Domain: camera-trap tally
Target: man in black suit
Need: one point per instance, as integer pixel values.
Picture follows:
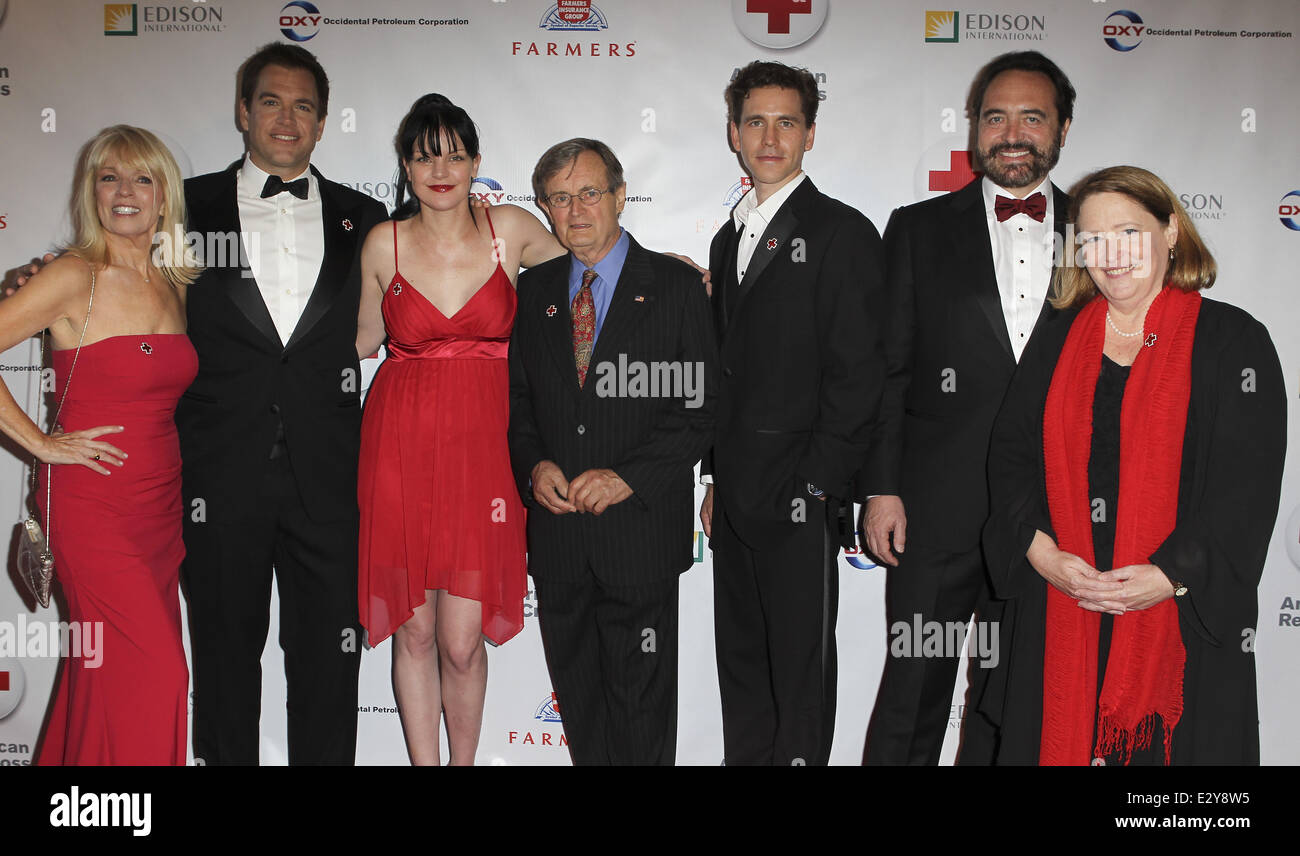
(968, 276)
(797, 279)
(270, 429)
(612, 367)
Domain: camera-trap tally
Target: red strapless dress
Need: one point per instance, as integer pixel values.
(117, 552)
(439, 505)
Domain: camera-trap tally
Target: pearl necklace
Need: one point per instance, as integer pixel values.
(1119, 332)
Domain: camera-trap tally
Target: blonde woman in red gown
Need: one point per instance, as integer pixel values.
(115, 487)
(442, 554)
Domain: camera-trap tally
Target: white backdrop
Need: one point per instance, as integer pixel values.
(1201, 92)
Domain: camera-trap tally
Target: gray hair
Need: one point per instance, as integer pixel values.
(560, 155)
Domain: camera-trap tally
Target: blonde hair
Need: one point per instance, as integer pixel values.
(138, 149)
(1192, 267)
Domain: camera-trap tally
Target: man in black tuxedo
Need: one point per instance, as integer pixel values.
(797, 280)
(270, 429)
(968, 277)
(612, 384)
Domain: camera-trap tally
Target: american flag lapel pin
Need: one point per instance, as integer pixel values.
(640, 298)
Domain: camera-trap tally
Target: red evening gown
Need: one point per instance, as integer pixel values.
(439, 505)
(117, 552)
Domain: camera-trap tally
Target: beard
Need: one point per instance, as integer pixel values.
(1024, 174)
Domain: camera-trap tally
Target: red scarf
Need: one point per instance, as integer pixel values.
(1144, 670)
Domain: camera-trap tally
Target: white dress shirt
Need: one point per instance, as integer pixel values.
(752, 220)
(1022, 261)
(284, 242)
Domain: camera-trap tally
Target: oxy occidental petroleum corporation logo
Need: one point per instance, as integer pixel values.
(573, 15)
(487, 190)
(12, 683)
(1288, 210)
(779, 23)
(859, 558)
(299, 20)
(1123, 30)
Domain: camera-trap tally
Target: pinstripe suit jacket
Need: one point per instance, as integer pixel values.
(652, 437)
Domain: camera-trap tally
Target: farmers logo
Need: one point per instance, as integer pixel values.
(548, 710)
(1122, 30)
(573, 15)
(299, 20)
(739, 189)
(779, 23)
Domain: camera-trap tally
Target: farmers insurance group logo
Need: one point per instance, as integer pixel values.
(739, 189)
(573, 15)
(779, 23)
(1123, 30)
(1288, 210)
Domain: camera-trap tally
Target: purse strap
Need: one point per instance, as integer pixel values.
(49, 468)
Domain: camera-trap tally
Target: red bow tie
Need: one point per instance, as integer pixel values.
(1006, 207)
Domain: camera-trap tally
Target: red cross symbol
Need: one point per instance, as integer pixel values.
(144, 346)
(779, 12)
(4, 682)
(397, 288)
(550, 310)
(347, 225)
(771, 243)
(959, 173)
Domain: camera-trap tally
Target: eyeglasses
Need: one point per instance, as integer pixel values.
(589, 197)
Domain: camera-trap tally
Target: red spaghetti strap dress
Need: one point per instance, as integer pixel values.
(439, 506)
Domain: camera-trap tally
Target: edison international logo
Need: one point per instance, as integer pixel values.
(1122, 30)
(940, 27)
(779, 24)
(120, 19)
(573, 15)
(1288, 210)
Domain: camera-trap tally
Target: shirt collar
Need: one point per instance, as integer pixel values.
(992, 191)
(252, 178)
(609, 267)
(749, 202)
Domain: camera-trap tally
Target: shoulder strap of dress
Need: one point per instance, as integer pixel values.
(488, 215)
(394, 246)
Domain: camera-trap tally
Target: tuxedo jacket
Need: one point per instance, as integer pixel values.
(950, 362)
(250, 387)
(659, 313)
(802, 365)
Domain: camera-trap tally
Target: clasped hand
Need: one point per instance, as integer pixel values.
(592, 491)
(1131, 587)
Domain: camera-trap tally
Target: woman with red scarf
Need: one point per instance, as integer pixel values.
(1135, 472)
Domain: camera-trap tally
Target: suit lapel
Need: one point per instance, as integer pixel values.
(237, 278)
(340, 244)
(976, 255)
(557, 326)
(773, 241)
(625, 309)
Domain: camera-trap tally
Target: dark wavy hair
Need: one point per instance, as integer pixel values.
(1021, 61)
(758, 74)
(285, 56)
(421, 132)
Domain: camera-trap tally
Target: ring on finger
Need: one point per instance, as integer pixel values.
(97, 457)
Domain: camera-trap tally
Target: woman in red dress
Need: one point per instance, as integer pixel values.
(442, 555)
(115, 311)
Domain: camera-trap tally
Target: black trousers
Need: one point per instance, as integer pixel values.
(612, 655)
(774, 616)
(227, 574)
(914, 702)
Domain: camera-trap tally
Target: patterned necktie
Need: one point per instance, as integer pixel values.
(583, 313)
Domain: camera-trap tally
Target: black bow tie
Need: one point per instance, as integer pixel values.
(275, 184)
